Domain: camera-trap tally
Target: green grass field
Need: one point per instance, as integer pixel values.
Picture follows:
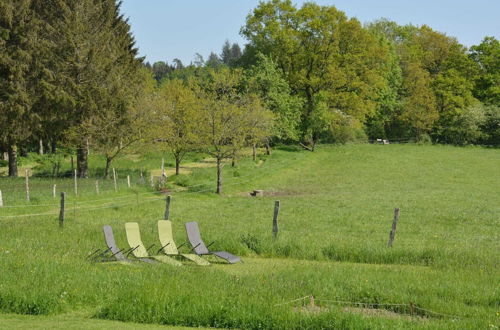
(336, 212)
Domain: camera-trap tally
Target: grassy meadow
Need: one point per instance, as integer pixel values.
(336, 212)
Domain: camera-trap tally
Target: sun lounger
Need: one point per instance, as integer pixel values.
(199, 247)
(112, 253)
(109, 237)
(168, 245)
(139, 250)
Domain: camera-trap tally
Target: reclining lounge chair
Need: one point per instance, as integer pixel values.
(139, 251)
(169, 247)
(112, 253)
(199, 247)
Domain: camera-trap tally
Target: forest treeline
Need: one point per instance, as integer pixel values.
(71, 80)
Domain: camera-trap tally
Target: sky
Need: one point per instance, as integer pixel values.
(168, 29)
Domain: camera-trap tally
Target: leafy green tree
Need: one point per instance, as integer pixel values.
(223, 125)
(487, 57)
(491, 126)
(419, 102)
(177, 111)
(325, 57)
(265, 79)
(431, 63)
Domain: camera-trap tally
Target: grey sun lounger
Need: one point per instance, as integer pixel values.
(199, 247)
(116, 253)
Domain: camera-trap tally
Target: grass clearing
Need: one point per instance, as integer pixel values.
(336, 213)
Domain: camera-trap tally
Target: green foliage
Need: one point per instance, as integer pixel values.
(265, 80)
(327, 59)
(487, 57)
(466, 126)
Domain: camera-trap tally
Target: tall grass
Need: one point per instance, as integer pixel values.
(336, 213)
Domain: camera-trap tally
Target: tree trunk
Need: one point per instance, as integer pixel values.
(177, 165)
(108, 165)
(23, 151)
(72, 164)
(268, 148)
(40, 148)
(219, 176)
(82, 162)
(254, 152)
(12, 150)
(54, 146)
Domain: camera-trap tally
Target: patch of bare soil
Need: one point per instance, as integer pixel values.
(381, 313)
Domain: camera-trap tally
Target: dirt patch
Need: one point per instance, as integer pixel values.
(274, 193)
(381, 313)
(186, 168)
(314, 310)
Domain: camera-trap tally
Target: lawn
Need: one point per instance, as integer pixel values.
(336, 212)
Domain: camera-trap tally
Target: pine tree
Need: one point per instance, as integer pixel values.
(19, 29)
(96, 64)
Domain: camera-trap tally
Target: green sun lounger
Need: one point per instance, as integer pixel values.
(140, 251)
(169, 247)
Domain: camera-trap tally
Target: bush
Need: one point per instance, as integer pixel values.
(465, 128)
(491, 126)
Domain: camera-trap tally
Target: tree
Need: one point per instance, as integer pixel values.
(436, 69)
(487, 57)
(160, 69)
(177, 110)
(325, 57)
(265, 80)
(419, 102)
(96, 65)
(223, 122)
(230, 54)
(213, 61)
(114, 131)
(19, 70)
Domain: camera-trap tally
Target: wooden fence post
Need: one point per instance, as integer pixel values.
(275, 218)
(114, 179)
(167, 207)
(54, 188)
(76, 184)
(27, 185)
(97, 187)
(152, 181)
(392, 234)
(1, 199)
(61, 212)
(128, 181)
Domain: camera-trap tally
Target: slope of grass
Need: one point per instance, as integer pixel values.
(336, 213)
